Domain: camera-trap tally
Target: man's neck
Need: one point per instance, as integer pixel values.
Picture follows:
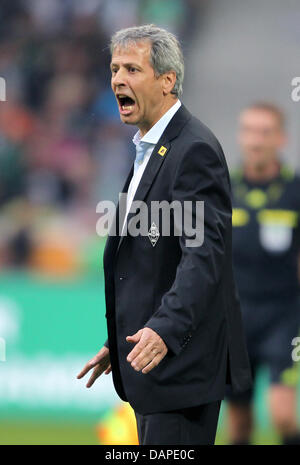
(262, 173)
(166, 107)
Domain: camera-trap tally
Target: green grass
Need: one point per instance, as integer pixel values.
(35, 433)
(260, 437)
(41, 433)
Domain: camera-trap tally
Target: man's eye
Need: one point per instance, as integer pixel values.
(132, 69)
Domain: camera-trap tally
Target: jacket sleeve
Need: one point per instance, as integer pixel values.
(201, 176)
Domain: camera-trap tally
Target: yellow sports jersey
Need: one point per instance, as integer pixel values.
(266, 234)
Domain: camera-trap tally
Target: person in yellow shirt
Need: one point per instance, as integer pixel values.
(266, 246)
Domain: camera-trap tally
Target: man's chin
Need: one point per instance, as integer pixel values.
(129, 119)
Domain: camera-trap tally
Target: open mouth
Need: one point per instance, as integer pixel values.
(126, 104)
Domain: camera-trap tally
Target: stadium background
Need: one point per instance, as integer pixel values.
(63, 149)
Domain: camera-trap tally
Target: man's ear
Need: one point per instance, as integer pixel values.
(169, 80)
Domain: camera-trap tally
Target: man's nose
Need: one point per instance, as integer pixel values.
(118, 79)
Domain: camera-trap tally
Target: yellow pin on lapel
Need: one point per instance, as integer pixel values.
(162, 150)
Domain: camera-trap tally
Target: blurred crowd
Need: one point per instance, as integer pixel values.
(62, 146)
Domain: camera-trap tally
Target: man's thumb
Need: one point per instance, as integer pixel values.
(135, 337)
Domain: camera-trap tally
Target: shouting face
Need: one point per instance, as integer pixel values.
(142, 96)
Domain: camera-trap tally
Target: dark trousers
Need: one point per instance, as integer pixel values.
(193, 425)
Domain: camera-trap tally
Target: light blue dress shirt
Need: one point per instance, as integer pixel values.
(144, 148)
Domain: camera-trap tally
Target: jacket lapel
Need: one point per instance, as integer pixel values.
(113, 240)
(160, 152)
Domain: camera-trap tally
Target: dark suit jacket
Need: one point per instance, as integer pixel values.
(186, 294)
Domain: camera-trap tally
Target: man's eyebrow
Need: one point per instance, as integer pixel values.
(127, 65)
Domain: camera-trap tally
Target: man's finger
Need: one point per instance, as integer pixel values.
(98, 370)
(144, 358)
(86, 369)
(98, 359)
(153, 363)
(108, 370)
(138, 348)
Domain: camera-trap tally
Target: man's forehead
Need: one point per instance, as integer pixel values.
(132, 51)
(256, 115)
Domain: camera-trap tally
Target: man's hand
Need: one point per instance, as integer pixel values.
(149, 350)
(100, 363)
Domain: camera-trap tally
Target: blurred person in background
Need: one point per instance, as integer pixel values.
(59, 117)
(266, 246)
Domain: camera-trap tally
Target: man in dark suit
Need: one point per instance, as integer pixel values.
(174, 326)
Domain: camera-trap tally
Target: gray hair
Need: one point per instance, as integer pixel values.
(166, 54)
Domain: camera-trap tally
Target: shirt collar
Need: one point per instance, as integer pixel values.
(155, 133)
